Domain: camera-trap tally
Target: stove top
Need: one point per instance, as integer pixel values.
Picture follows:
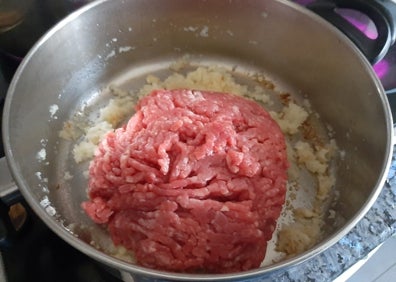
(40, 253)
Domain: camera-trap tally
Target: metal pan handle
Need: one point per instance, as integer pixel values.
(381, 12)
(9, 192)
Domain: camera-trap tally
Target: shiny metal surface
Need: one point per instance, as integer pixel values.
(7, 183)
(80, 56)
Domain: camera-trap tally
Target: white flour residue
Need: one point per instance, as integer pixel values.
(38, 174)
(121, 49)
(40, 177)
(44, 188)
(46, 204)
(205, 31)
(124, 49)
(60, 94)
(53, 109)
(43, 182)
(111, 54)
(190, 28)
(43, 142)
(41, 155)
(50, 210)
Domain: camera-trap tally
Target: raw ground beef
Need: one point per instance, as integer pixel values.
(195, 181)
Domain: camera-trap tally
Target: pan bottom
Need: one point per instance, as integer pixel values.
(308, 215)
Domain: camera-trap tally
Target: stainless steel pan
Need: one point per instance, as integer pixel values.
(71, 65)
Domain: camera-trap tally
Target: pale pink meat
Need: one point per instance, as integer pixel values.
(194, 182)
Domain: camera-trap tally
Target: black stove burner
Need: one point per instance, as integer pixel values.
(39, 254)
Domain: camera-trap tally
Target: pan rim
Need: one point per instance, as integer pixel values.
(134, 269)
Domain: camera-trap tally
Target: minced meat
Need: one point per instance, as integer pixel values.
(194, 182)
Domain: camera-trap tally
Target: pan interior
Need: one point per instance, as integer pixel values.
(70, 177)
